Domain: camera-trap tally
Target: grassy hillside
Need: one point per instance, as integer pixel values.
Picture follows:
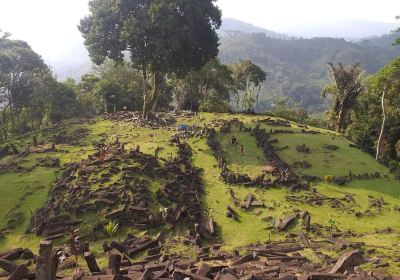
(363, 207)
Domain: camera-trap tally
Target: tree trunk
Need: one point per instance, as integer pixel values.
(381, 135)
(4, 124)
(339, 120)
(145, 97)
(31, 117)
(237, 99)
(12, 119)
(154, 95)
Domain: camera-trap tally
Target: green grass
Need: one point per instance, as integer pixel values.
(254, 225)
(23, 192)
(325, 162)
(251, 161)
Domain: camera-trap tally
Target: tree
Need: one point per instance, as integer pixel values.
(386, 84)
(118, 86)
(346, 87)
(19, 66)
(90, 104)
(397, 42)
(161, 36)
(248, 78)
(207, 89)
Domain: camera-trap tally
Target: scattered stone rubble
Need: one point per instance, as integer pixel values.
(72, 139)
(273, 260)
(155, 120)
(8, 150)
(303, 149)
(301, 164)
(227, 175)
(315, 198)
(123, 194)
(330, 147)
(343, 180)
(282, 173)
(272, 122)
(12, 167)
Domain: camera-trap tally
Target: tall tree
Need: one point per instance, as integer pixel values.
(386, 83)
(346, 87)
(248, 78)
(397, 42)
(119, 86)
(161, 36)
(207, 89)
(19, 64)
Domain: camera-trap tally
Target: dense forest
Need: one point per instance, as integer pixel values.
(297, 68)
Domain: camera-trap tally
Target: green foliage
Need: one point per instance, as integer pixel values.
(161, 36)
(164, 213)
(119, 86)
(297, 67)
(346, 87)
(248, 78)
(333, 224)
(29, 92)
(397, 41)
(205, 90)
(111, 228)
(367, 118)
(252, 227)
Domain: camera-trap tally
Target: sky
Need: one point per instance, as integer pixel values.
(49, 26)
(280, 14)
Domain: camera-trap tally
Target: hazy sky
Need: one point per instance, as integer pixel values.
(50, 25)
(280, 14)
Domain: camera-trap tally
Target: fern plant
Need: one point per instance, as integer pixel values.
(164, 213)
(333, 224)
(111, 228)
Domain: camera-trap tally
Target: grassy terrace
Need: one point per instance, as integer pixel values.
(24, 192)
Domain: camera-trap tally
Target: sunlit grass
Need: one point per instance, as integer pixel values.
(254, 225)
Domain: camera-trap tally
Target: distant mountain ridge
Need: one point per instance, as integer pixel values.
(230, 25)
(297, 68)
(352, 29)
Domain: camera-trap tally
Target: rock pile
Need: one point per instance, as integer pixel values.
(303, 149)
(272, 122)
(155, 120)
(123, 193)
(226, 175)
(8, 150)
(71, 139)
(273, 260)
(284, 174)
(343, 180)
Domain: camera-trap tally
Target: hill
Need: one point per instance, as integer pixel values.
(145, 177)
(230, 25)
(351, 29)
(297, 68)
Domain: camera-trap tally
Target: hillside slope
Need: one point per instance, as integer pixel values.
(362, 209)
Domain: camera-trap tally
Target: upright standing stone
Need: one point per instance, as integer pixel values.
(46, 263)
(114, 263)
(91, 262)
(19, 273)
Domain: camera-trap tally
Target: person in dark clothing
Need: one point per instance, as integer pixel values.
(234, 141)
